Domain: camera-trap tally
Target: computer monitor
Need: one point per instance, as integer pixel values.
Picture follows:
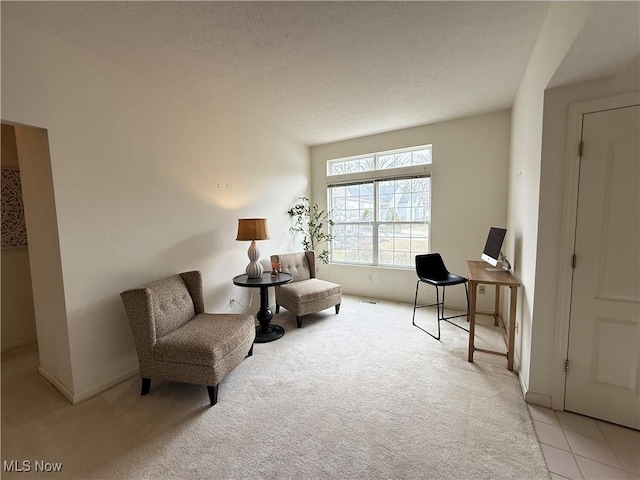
(492, 253)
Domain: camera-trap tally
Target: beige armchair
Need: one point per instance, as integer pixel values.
(175, 340)
(306, 293)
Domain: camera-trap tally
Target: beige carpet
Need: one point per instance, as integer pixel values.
(359, 395)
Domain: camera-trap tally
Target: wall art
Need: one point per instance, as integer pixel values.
(14, 228)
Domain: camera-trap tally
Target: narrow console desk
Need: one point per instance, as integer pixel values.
(478, 274)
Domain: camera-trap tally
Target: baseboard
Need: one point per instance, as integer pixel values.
(534, 398)
(90, 392)
(537, 399)
(76, 398)
(55, 382)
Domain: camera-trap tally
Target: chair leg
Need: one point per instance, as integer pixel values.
(415, 303)
(337, 309)
(299, 321)
(213, 394)
(448, 319)
(439, 310)
(250, 351)
(146, 386)
(277, 308)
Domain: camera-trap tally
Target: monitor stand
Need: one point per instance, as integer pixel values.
(506, 266)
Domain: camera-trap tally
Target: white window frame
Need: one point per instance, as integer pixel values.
(376, 176)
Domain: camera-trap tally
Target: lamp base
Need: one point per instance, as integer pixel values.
(254, 269)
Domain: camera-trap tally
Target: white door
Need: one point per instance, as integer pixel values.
(603, 380)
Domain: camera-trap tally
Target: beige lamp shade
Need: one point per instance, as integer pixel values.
(252, 229)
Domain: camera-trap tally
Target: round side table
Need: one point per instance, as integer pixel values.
(265, 332)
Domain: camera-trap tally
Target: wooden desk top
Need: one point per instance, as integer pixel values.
(477, 272)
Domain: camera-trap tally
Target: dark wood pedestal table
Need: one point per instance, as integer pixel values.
(265, 332)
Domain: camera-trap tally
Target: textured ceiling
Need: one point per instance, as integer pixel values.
(315, 71)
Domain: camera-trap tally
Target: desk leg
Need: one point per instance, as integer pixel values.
(472, 317)
(266, 332)
(512, 326)
(496, 306)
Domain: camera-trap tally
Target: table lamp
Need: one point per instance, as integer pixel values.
(253, 229)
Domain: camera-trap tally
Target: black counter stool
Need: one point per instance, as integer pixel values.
(431, 269)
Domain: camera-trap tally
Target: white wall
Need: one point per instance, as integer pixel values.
(148, 182)
(553, 264)
(563, 23)
(469, 194)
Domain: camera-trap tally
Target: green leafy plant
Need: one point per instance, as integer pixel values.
(310, 221)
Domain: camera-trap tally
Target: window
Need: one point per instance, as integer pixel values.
(380, 161)
(381, 207)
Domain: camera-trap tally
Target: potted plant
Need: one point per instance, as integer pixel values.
(310, 221)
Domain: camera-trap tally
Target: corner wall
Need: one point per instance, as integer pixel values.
(147, 182)
(563, 23)
(46, 267)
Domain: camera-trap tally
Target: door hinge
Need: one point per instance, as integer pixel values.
(573, 261)
(566, 366)
(581, 148)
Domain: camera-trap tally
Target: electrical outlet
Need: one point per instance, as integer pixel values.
(481, 289)
(371, 278)
(232, 302)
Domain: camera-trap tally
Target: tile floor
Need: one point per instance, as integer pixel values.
(579, 447)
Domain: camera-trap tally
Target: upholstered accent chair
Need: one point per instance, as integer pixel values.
(306, 293)
(175, 340)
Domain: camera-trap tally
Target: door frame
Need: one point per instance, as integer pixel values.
(567, 238)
